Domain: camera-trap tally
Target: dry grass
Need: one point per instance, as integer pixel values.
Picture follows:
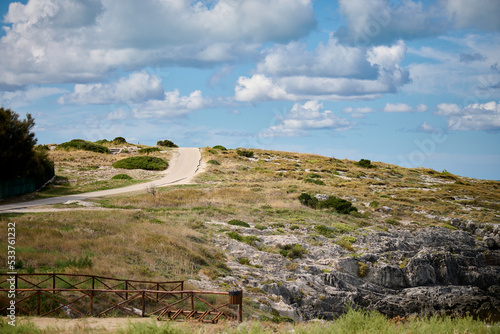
(167, 235)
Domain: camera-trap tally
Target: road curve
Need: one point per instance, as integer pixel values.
(183, 166)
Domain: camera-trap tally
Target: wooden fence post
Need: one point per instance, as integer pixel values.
(38, 303)
(54, 283)
(143, 303)
(91, 303)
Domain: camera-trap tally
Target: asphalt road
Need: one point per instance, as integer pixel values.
(184, 165)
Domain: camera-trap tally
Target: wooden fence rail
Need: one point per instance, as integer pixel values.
(89, 295)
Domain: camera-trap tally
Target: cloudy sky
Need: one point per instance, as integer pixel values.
(414, 83)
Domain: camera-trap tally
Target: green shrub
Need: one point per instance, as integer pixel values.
(362, 269)
(314, 176)
(122, 177)
(166, 143)
(364, 163)
(102, 141)
(248, 239)
(315, 181)
(80, 144)
(220, 147)
(238, 222)
(338, 204)
(374, 204)
(294, 227)
(148, 150)
(260, 227)
(213, 162)
(325, 231)
(142, 162)
(119, 140)
(245, 153)
(308, 200)
(293, 251)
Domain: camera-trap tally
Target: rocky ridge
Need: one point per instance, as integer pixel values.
(397, 270)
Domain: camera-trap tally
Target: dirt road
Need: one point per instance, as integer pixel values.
(183, 166)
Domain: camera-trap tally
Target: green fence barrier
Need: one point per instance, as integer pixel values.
(24, 185)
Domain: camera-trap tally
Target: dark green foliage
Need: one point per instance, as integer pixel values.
(102, 141)
(220, 147)
(338, 204)
(334, 203)
(308, 200)
(238, 222)
(293, 251)
(17, 153)
(119, 140)
(148, 150)
(122, 177)
(245, 153)
(80, 144)
(142, 162)
(42, 148)
(213, 162)
(313, 176)
(364, 163)
(166, 143)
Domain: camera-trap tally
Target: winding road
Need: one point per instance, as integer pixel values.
(183, 166)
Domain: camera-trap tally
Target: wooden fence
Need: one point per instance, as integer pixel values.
(89, 295)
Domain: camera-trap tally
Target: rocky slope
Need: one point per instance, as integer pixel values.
(398, 271)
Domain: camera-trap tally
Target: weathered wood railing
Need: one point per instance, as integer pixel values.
(89, 295)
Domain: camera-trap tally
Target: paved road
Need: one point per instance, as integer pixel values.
(184, 165)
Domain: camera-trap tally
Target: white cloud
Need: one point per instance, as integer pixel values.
(54, 41)
(330, 60)
(403, 107)
(137, 87)
(302, 118)
(27, 96)
(382, 21)
(259, 88)
(426, 127)
(358, 112)
(172, 105)
(484, 15)
(303, 80)
(474, 117)
(421, 108)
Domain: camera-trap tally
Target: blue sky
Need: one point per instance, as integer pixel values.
(413, 83)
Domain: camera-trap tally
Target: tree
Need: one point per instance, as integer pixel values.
(18, 156)
(166, 143)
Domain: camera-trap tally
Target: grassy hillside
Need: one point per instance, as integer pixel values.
(170, 234)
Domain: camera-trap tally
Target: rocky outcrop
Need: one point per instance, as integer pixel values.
(398, 272)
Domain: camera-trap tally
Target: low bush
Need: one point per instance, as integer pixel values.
(315, 181)
(147, 150)
(142, 162)
(245, 153)
(213, 162)
(80, 144)
(237, 222)
(293, 251)
(166, 143)
(119, 140)
(122, 177)
(334, 203)
(220, 147)
(364, 163)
